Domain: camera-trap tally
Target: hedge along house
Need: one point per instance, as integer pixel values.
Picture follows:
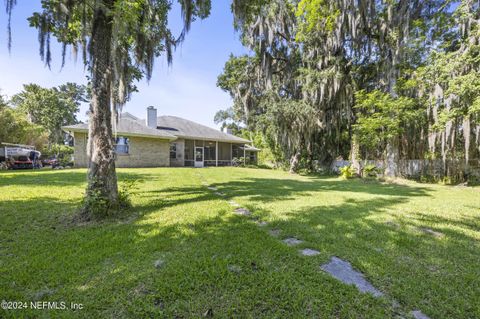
(166, 141)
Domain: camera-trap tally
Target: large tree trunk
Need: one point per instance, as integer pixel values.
(294, 161)
(392, 157)
(102, 192)
(355, 154)
(310, 156)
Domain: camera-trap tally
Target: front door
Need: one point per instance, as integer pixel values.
(198, 156)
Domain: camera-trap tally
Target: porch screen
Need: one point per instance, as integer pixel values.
(224, 151)
(210, 151)
(189, 148)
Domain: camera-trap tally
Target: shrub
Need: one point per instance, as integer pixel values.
(370, 171)
(347, 172)
(97, 206)
(125, 190)
(238, 161)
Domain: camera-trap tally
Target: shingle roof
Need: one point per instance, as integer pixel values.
(187, 129)
(129, 127)
(169, 127)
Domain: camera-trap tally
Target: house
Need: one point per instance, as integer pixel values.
(166, 141)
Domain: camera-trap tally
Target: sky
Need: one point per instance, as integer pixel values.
(186, 89)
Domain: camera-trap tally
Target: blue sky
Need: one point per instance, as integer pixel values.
(186, 89)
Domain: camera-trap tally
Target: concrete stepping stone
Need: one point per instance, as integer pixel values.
(274, 232)
(233, 203)
(212, 188)
(292, 241)
(393, 224)
(432, 232)
(234, 268)
(343, 271)
(242, 211)
(309, 252)
(417, 314)
(262, 223)
(220, 194)
(159, 263)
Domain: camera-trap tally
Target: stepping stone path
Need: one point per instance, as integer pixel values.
(343, 271)
(233, 203)
(417, 314)
(309, 252)
(292, 241)
(242, 211)
(337, 268)
(432, 232)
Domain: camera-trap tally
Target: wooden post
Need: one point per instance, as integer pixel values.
(216, 153)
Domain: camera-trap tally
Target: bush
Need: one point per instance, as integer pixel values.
(97, 206)
(473, 180)
(370, 171)
(125, 190)
(238, 161)
(65, 161)
(347, 172)
(57, 150)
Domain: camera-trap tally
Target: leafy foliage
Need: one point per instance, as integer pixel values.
(381, 117)
(16, 128)
(51, 108)
(347, 172)
(370, 170)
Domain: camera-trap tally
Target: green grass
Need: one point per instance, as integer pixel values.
(109, 267)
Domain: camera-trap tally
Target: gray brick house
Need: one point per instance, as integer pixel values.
(166, 141)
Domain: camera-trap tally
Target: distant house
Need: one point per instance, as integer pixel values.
(166, 141)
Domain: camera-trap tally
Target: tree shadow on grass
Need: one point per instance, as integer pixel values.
(230, 265)
(223, 262)
(413, 267)
(264, 190)
(67, 177)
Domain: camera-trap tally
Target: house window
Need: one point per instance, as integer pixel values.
(122, 145)
(173, 150)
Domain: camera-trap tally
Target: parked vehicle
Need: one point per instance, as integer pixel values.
(19, 156)
(22, 162)
(51, 161)
(26, 162)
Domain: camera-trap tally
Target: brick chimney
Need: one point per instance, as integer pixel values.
(151, 117)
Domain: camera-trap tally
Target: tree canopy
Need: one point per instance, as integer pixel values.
(51, 108)
(398, 77)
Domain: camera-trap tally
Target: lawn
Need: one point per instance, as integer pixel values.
(181, 252)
